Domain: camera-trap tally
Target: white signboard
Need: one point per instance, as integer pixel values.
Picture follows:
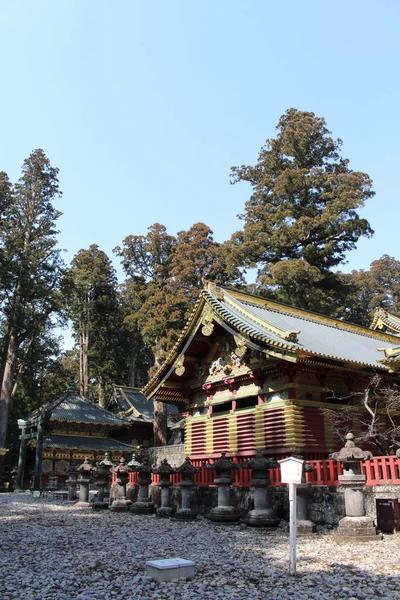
(291, 470)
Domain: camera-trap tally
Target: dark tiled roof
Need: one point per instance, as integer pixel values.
(74, 408)
(133, 404)
(82, 443)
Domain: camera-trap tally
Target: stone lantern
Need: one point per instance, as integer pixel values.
(72, 480)
(85, 471)
(262, 515)
(304, 525)
(143, 506)
(164, 471)
(224, 512)
(121, 503)
(102, 479)
(355, 525)
(187, 470)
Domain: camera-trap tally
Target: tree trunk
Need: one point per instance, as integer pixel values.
(132, 371)
(83, 361)
(160, 423)
(7, 385)
(102, 391)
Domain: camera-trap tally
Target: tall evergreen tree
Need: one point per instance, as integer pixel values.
(93, 307)
(31, 269)
(301, 218)
(165, 276)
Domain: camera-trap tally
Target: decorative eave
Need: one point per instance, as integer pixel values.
(214, 305)
(383, 320)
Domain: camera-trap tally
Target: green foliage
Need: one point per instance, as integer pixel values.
(165, 277)
(93, 307)
(31, 268)
(378, 287)
(301, 218)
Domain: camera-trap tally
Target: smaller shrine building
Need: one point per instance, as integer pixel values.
(68, 429)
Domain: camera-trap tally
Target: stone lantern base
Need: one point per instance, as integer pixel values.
(261, 518)
(360, 529)
(224, 514)
(164, 512)
(121, 505)
(142, 508)
(100, 505)
(185, 514)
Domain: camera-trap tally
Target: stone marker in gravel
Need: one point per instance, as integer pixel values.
(224, 512)
(164, 471)
(187, 470)
(85, 471)
(355, 525)
(72, 481)
(121, 503)
(102, 479)
(262, 515)
(143, 506)
(169, 569)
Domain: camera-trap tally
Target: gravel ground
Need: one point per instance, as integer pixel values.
(53, 550)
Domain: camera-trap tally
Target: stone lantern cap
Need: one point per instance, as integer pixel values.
(350, 452)
(259, 462)
(223, 464)
(164, 468)
(85, 468)
(143, 467)
(187, 467)
(106, 462)
(121, 467)
(133, 463)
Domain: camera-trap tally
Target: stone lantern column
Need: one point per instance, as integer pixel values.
(304, 525)
(262, 515)
(355, 525)
(84, 477)
(143, 506)
(187, 470)
(164, 471)
(102, 478)
(224, 512)
(121, 503)
(72, 480)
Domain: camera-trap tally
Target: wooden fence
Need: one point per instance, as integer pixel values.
(380, 470)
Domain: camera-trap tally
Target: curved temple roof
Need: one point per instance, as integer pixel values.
(76, 409)
(283, 329)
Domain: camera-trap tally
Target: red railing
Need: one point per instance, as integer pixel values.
(380, 470)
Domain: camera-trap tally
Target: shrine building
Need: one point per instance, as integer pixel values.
(248, 373)
(72, 428)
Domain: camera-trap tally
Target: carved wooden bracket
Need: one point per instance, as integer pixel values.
(209, 389)
(232, 384)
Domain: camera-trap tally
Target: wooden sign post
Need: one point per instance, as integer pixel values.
(291, 473)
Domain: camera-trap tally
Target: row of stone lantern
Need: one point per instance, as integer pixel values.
(262, 515)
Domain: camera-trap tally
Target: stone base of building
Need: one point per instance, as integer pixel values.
(224, 514)
(305, 527)
(120, 505)
(261, 518)
(360, 529)
(142, 508)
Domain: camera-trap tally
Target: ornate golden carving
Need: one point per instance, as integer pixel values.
(207, 321)
(179, 366)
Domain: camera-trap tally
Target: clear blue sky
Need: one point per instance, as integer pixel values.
(145, 106)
